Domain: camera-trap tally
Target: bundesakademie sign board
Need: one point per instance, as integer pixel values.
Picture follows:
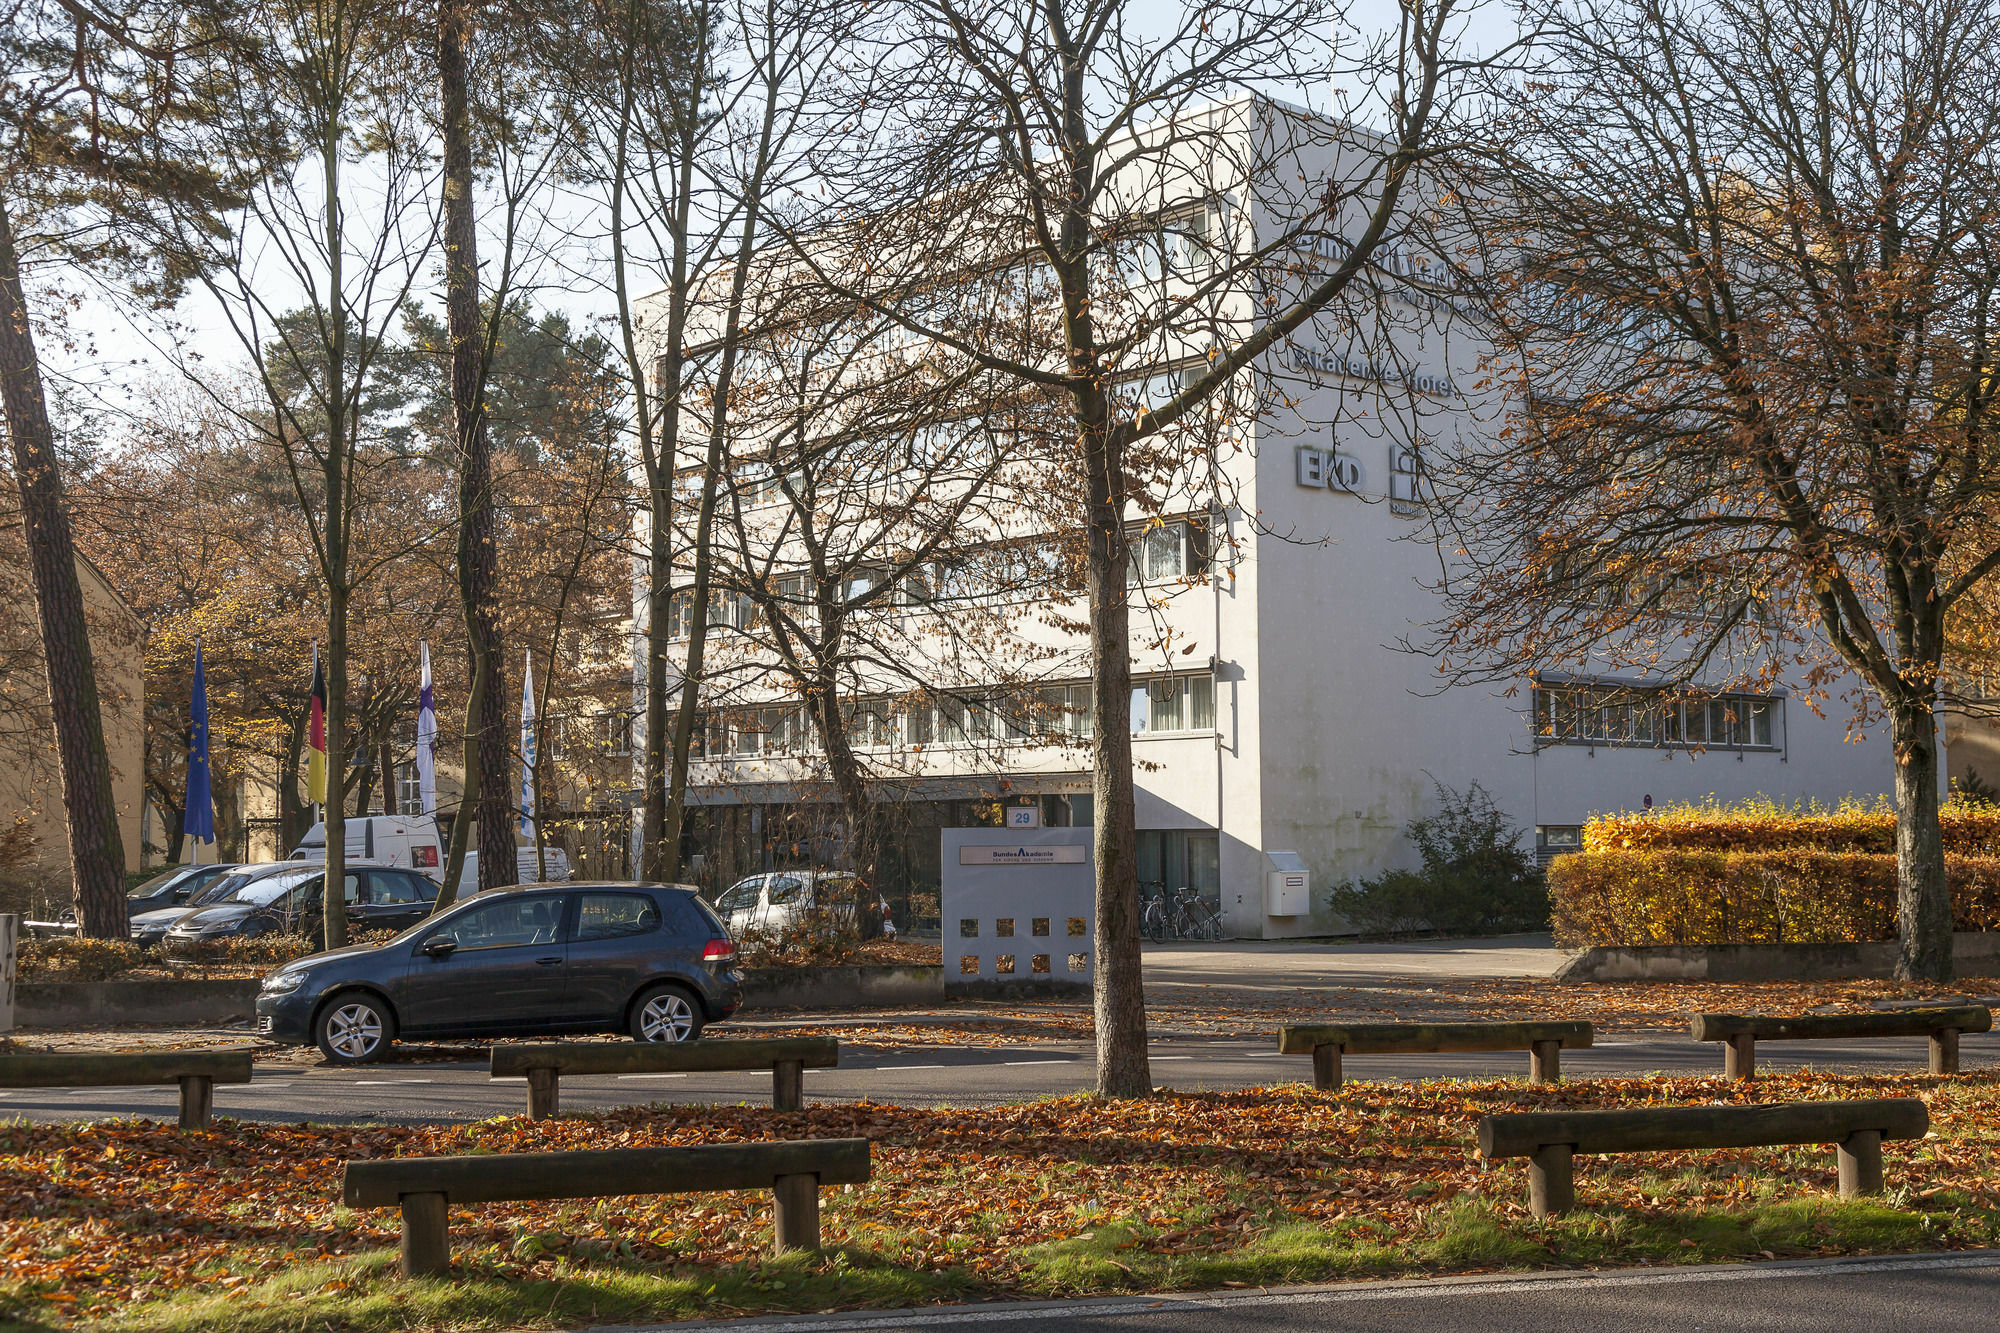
(1023, 856)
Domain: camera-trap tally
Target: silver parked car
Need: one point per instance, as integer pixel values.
(773, 903)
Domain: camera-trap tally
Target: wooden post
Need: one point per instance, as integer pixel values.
(794, 1213)
(1326, 1068)
(1860, 1157)
(788, 1085)
(1545, 1062)
(1739, 1058)
(544, 1094)
(1944, 1051)
(1552, 1179)
(197, 1099)
(426, 1242)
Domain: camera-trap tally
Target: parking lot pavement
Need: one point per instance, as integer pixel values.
(925, 1076)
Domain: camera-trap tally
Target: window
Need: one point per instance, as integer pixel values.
(384, 887)
(680, 623)
(616, 729)
(1406, 471)
(506, 924)
(1174, 703)
(1649, 716)
(409, 790)
(742, 895)
(1166, 551)
(610, 916)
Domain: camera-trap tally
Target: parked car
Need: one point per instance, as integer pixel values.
(173, 886)
(649, 960)
(377, 897)
(149, 928)
(775, 901)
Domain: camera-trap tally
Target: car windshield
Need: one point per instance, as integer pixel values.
(269, 888)
(161, 880)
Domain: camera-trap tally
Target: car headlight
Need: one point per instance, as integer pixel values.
(280, 982)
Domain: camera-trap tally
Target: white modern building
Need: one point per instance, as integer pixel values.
(1276, 706)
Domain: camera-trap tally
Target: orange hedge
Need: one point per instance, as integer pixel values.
(1794, 896)
(1969, 830)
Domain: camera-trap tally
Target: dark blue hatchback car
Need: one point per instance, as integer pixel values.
(650, 960)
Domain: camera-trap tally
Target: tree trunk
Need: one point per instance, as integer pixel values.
(175, 817)
(333, 902)
(385, 764)
(293, 818)
(96, 852)
(659, 861)
(1117, 984)
(1923, 900)
(478, 557)
(462, 818)
(852, 785)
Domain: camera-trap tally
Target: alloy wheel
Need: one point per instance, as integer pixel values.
(667, 1017)
(354, 1030)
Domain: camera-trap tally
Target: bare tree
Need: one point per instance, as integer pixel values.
(311, 281)
(703, 113)
(1738, 262)
(1059, 195)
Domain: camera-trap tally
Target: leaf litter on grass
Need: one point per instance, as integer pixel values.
(1040, 1198)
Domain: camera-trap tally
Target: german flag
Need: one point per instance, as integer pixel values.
(316, 736)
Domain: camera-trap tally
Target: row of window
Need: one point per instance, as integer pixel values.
(1163, 706)
(1636, 715)
(1160, 553)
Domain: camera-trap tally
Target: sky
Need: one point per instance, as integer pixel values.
(109, 357)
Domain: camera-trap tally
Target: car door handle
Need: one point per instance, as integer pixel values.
(548, 962)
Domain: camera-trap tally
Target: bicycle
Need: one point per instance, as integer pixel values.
(1194, 919)
(1153, 919)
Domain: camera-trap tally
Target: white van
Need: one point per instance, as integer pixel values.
(413, 841)
(524, 868)
(395, 840)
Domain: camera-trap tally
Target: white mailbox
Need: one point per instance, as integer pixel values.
(1287, 885)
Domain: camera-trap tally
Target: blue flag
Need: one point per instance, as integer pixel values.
(198, 820)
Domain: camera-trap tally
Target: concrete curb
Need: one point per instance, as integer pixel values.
(1974, 953)
(1466, 1286)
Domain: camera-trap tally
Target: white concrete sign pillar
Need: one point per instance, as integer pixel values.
(1019, 910)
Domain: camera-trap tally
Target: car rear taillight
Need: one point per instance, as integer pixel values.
(718, 951)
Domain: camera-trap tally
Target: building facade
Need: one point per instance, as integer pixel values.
(1280, 578)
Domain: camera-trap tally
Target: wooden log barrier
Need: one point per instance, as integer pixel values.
(426, 1187)
(544, 1064)
(1544, 1042)
(1740, 1033)
(196, 1072)
(1550, 1140)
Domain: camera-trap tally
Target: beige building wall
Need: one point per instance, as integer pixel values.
(34, 837)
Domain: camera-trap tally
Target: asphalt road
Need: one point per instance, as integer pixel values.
(1936, 1293)
(925, 1076)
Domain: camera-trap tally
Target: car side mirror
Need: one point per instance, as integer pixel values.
(438, 946)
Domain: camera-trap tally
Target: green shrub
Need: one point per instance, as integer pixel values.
(1787, 896)
(1474, 877)
(75, 958)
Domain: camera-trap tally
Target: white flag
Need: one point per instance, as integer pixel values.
(427, 730)
(528, 747)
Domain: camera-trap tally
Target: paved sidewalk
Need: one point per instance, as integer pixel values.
(1282, 965)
